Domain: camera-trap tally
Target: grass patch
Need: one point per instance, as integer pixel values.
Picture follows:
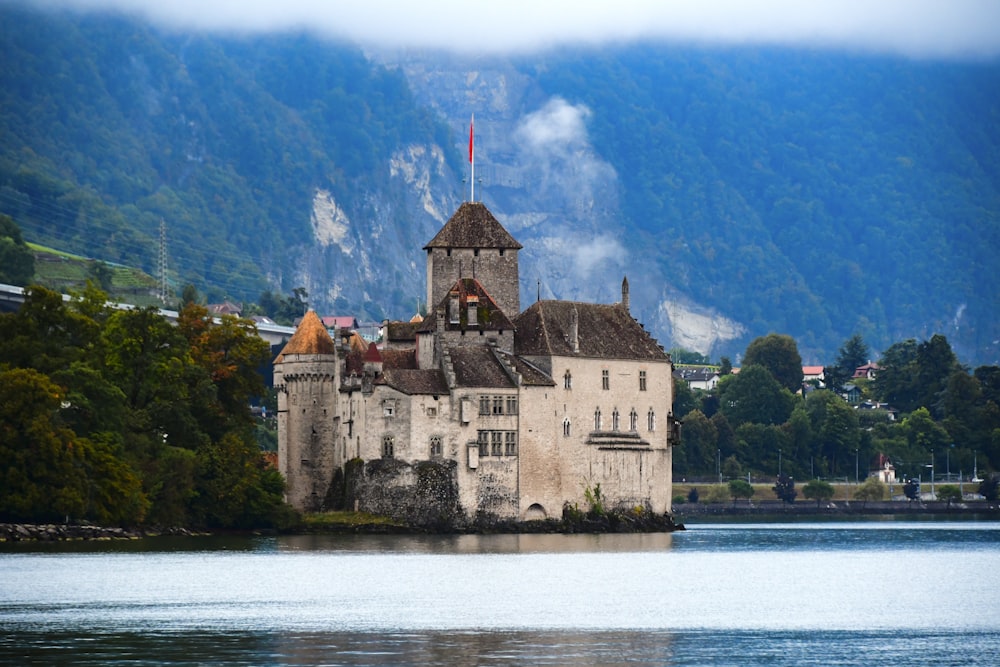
(336, 521)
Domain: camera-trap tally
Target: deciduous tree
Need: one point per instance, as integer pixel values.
(779, 354)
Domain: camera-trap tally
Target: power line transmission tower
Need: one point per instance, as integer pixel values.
(162, 265)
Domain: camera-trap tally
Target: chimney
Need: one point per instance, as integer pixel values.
(625, 294)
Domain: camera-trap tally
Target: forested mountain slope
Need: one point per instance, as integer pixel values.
(742, 191)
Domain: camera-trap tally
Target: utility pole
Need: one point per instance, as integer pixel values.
(162, 263)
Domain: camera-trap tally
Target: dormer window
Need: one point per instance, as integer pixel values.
(473, 310)
(453, 314)
(389, 408)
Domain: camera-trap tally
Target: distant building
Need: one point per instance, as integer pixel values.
(705, 378)
(519, 412)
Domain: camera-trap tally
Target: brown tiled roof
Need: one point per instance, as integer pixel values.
(401, 331)
(489, 317)
(530, 374)
(473, 226)
(404, 359)
(410, 381)
(310, 337)
(476, 366)
(605, 331)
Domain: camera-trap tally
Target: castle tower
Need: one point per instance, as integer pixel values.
(306, 377)
(473, 244)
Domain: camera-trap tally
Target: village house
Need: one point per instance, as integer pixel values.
(513, 414)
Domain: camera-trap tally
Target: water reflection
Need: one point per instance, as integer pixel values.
(478, 544)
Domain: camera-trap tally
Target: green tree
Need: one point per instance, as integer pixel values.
(784, 489)
(740, 488)
(818, 490)
(872, 489)
(935, 362)
(684, 398)
(725, 366)
(17, 262)
(779, 354)
(835, 426)
(754, 395)
(700, 442)
(852, 354)
(989, 488)
(895, 382)
(949, 493)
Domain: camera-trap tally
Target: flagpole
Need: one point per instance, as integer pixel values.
(472, 158)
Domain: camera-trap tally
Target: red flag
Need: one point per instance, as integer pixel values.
(471, 135)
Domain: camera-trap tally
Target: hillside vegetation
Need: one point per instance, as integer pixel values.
(812, 193)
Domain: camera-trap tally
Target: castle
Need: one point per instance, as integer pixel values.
(479, 407)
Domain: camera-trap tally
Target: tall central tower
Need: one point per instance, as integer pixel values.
(473, 244)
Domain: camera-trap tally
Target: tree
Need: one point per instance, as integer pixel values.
(911, 489)
(17, 262)
(949, 493)
(699, 438)
(684, 398)
(754, 395)
(853, 353)
(784, 489)
(819, 490)
(740, 488)
(725, 366)
(693, 495)
(871, 489)
(989, 488)
(779, 354)
(895, 381)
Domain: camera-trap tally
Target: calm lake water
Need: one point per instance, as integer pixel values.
(890, 593)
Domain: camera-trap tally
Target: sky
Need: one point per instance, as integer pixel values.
(926, 29)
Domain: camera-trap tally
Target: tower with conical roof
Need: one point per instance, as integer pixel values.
(307, 380)
(473, 244)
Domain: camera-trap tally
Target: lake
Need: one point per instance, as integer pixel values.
(894, 593)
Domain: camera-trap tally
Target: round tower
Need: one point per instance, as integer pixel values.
(306, 377)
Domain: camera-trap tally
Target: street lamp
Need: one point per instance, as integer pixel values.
(855, 467)
(779, 463)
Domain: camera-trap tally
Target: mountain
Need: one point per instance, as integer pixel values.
(742, 191)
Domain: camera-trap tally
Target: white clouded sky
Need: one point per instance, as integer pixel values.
(922, 28)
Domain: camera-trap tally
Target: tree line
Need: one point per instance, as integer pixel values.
(924, 409)
(116, 416)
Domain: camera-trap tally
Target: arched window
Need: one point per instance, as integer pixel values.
(566, 428)
(568, 380)
(651, 420)
(388, 446)
(597, 419)
(633, 420)
(614, 420)
(435, 446)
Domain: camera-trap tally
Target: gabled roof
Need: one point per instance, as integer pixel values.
(404, 359)
(310, 337)
(340, 322)
(473, 226)
(372, 355)
(477, 366)
(604, 331)
(399, 332)
(489, 317)
(409, 381)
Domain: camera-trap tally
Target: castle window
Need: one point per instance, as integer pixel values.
(597, 419)
(642, 380)
(633, 420)
(614, 420)
(435, 446)
(510, 443)
(432, 412)
(512, 405)
(482, 439)
(484, 405)
(566, 428)
(389, 408)
(453, 315)
(388, 446)
(496, 443)
(475, 252)
(567, 380)
(501, 252)
(498, 405)
(651, 421)
(605, 379)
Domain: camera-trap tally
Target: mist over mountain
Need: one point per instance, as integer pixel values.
(741, 190)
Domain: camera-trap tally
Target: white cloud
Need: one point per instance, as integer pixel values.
(923, 28)
(599, 252)
(557, 127)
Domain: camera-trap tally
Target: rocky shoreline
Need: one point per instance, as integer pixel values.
(53, 532)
